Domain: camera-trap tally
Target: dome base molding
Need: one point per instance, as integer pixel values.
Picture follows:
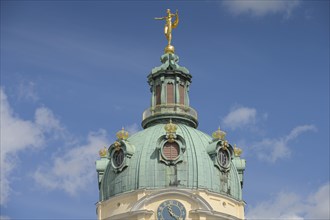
(143, 204)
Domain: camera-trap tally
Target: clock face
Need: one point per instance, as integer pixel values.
(171, 210)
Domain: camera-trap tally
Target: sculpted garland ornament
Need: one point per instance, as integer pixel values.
(171, 210)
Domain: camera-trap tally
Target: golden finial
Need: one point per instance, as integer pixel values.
(168, 28)
(237, 151)
(219, 135)
(122, 134)
(103, 152)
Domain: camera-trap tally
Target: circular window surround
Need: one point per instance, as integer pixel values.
(177, 158)
(223, 158)
(171, 150)
(118, 158)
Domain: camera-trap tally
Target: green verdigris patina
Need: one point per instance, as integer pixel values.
(142, 161)
(170, 62)
(196, 171)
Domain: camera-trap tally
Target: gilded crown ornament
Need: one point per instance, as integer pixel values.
(168, 28)
(237, 151)
(219, 135)
(103, 152)
(170, 129)
(122, 134)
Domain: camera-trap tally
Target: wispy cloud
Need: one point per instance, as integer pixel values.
(267, 149)
(288, 205)
(27, 91)
(18, 134)
(273, 149)
(73, 170)
(240, 117)
(261, 7)
(133, 128)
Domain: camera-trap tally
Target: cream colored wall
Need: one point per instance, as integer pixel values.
(143, 205)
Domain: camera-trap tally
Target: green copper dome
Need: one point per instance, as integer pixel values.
(170, 151)
(145, 169)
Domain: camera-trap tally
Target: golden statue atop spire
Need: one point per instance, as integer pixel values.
(168, 28)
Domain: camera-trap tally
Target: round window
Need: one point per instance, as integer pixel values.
(171, 150)
(223, 157)
(118, 158)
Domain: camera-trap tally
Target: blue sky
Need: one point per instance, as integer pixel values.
(74, 72)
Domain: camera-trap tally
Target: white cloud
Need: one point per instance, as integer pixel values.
(75, 169)
(319, 204)
(288, 205)
(71, 171)
(240, 117)
(46, 121)
(273, 149)
(18, 134)
(261, 7)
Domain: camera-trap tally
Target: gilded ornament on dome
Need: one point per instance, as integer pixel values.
(122, 134)
(170, 129)
(103, 152)
(237, 151)
(117, 146)
(219, 135)
(224, 145)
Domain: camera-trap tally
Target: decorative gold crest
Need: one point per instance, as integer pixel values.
(170, 129)
(122, 134)
(103, 152)
(117, 145)
(219, 135)
(237, 151)
(224, 145)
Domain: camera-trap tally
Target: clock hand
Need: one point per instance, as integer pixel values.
(170, 210)
(172, 213)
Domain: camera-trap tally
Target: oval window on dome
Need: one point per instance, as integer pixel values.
(118, 158)
(171, 150)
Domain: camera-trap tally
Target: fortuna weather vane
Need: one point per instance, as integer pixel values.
(168, 28)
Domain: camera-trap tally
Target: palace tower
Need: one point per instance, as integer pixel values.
(170, 169)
